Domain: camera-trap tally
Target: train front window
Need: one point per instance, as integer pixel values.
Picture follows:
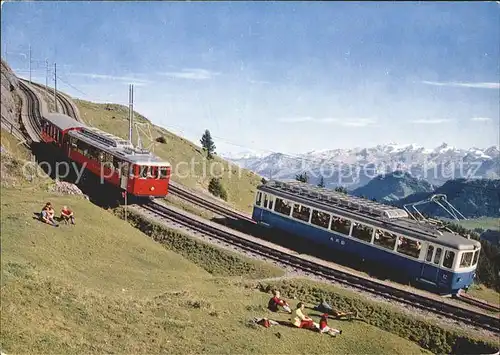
(320, 219)
(430, 251)
(385, 239)
(409, 247)
(476, 257)
(362, 232)
(466, 259)
(449, 257)
(143, 171)
(163, 172)
(301, 212)
(265, 200)
(340, 225)
(283, 206)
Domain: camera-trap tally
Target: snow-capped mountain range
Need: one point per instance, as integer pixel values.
(354, 167)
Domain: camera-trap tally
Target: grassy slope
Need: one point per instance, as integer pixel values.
(240, 184)
(103, 286)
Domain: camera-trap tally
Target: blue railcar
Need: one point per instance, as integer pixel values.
(444, 261)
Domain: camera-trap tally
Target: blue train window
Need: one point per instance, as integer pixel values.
(476, 256)
(409, 247)
(259, 198)
(265, 200)
(362, 232)
(283, 207)
(437, 257)
(385, 239)
(430, 251)
(466, 259)
(340, 225)
(301, 212)
(449, 256)
(320, 219)
(271, 202)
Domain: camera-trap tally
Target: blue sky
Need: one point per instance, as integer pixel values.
(277, 76)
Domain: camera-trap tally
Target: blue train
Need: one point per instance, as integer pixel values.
(440, 259)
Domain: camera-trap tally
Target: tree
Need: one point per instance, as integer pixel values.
(321, 182)
(208, 144)
(302, 177)
(341, 189)
(215, 188)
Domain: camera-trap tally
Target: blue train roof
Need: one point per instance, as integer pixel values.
(366, 211)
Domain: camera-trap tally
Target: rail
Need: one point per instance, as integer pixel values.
(186, 195)
(69, 108)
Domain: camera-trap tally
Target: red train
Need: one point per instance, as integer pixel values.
(114, 159)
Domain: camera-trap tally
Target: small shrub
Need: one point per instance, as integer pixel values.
(161, 139)
(215, 188)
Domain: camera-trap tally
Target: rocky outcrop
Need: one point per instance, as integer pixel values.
(66, 188)
(11, 96)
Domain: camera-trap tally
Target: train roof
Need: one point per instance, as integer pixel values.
(117, 146)
(63, 121)
(365, 211)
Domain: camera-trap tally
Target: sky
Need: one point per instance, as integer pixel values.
(276, 76)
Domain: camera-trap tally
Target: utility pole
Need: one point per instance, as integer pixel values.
(30, 61)
(130, 111)
(55, 86)
(46, 74)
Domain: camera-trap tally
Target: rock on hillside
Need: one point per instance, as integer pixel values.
(393, 186)
(11, 97)
(473, 198)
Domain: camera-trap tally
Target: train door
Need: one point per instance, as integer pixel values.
(124, 175)
(430, 265)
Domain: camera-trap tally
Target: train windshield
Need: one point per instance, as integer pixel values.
(466, 259)
(163, 172)
(476, 257)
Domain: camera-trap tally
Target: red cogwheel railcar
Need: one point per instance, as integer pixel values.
(113, 159)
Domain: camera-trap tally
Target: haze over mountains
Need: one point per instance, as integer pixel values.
(353, 168)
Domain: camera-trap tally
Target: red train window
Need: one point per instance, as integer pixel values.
(153, 172)
(163, 172)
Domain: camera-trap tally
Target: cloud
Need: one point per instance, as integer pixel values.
(346, 122)
(483, 85)
(431, 120)
(129, 79)
(192, 74)
(481, 119)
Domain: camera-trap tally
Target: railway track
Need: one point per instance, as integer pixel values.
(33, 112)
(65, 103)
(251, 245)
(206, 204)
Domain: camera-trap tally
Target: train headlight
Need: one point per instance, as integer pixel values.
(152, 188)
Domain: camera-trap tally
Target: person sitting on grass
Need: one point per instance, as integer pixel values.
(47, 215)
(303, 320)
(67, 215)
(324, 328)
(276, 302)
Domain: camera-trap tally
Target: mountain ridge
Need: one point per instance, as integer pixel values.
(355, 167)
